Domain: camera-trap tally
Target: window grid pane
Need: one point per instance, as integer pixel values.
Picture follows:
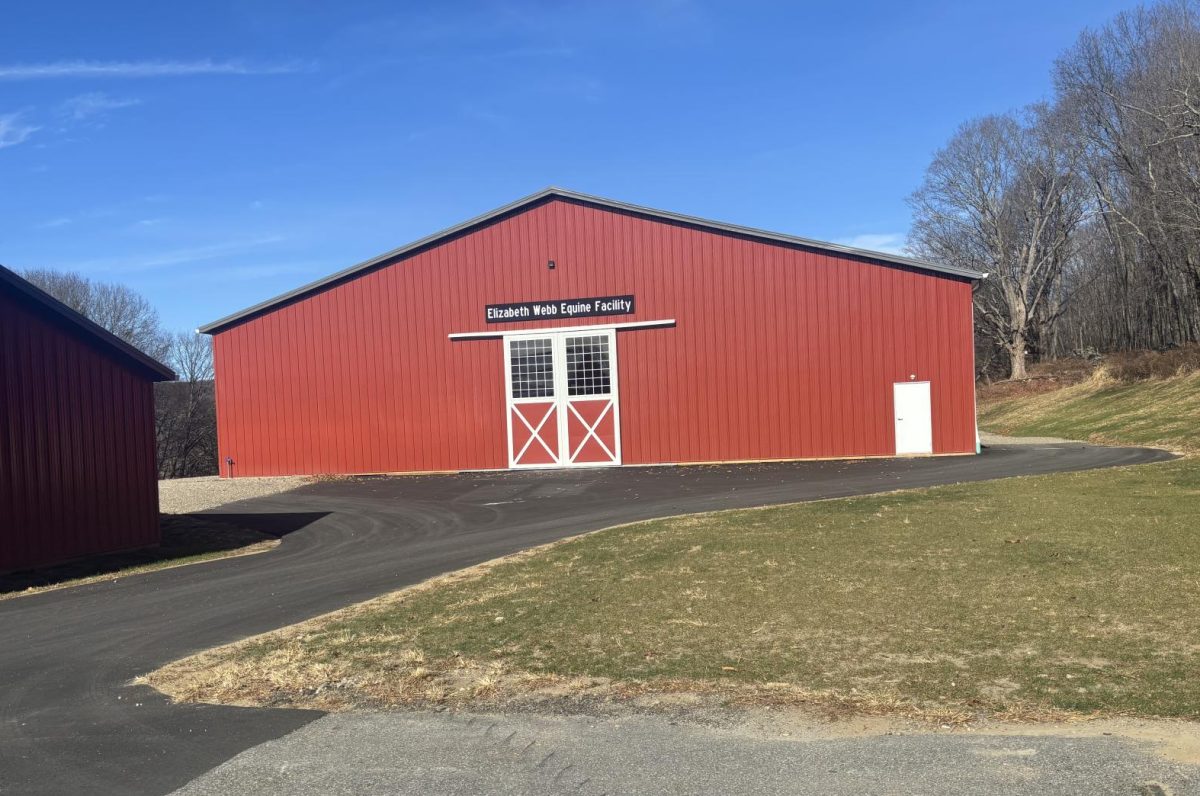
(588, 366)
(532, 367)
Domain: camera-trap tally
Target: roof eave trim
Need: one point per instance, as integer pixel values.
(612, 204)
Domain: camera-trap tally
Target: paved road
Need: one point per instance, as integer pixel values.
(481, 755)
(69, 721)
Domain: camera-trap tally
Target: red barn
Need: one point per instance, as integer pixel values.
(567, 330)
(77, 469)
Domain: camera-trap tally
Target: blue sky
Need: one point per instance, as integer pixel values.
(215, 154)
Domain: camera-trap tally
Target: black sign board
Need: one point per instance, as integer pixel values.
(558, 309)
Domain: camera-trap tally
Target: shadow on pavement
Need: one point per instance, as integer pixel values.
(184, 536)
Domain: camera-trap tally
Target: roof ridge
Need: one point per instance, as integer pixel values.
(599, 201)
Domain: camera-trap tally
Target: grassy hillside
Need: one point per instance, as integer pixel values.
(1161, 412)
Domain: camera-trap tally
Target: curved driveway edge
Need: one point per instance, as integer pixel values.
(69, 721)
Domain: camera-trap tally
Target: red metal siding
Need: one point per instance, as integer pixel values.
(77, 470)
(779, 352)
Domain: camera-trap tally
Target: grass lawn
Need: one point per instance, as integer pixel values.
(186, 539)
(1162, 413)
(1073, 593)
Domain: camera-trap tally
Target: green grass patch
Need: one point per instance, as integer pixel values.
(1157, 412)
(1070, 592)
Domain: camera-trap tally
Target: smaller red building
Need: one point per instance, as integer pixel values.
(77, 469)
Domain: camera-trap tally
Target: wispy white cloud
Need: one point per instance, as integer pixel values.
(888, 242)
(15, 130)
(249, 273)
(174, 257)
(95, 103)
(133, 69)
(61, 221)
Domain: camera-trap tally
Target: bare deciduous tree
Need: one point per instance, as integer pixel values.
(1004, 197)
(185, 410)
(1087, 211)
(115, 307)
(1132, 91)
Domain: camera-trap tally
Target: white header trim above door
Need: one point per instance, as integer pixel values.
(555, 329)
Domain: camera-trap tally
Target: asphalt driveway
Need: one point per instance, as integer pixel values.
(70, 722)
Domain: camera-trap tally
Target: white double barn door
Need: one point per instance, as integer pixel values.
(562, 399)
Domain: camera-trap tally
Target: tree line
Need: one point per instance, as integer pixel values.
(185, 416)
(1085, 209)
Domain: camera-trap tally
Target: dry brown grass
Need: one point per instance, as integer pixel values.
(1125, 367)
(288, 677)
(1134, 366)
(1042, 597)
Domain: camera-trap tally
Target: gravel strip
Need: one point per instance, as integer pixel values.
(988, 438)
(188, 495)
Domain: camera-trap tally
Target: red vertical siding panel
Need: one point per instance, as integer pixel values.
(832, 394)
(861, 334)
(222, 413)
(943, 419)
(783, 288)
(685, 291)
(308, 386)
(246, 358)
(961, 408)
(851, 340)
(287, 372)
(868, 334)
(780, 296)
(417, 370)
(268, 372)
(389, 372)
(844, 368)
(258, 377)
(305, 416)
(250, 403)
(392, 296)
(689, 350)
(758, 359)
(343, 391)
(48, 352)
(242, 358)
(363, 367)
(881, 373)
(870, 331)
(829, 395)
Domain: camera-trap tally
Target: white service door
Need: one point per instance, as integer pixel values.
(914, 418)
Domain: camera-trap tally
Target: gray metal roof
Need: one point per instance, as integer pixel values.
(107, 340)
(596, 201)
